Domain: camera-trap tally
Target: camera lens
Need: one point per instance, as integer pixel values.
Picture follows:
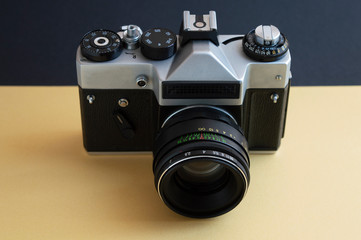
(201, 164)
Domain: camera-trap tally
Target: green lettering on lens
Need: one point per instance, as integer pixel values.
(201, 136)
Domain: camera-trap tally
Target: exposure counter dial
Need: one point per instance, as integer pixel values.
(158, 43)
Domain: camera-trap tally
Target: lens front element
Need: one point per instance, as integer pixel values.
(201, 171)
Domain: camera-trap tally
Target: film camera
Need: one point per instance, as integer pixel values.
(198, 100)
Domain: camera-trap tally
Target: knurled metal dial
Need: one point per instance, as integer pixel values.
(265, 44)
(101, 45)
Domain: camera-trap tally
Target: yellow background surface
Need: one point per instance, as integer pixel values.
(50, 188)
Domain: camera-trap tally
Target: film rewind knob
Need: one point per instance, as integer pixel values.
(265, 43)
(267, 35)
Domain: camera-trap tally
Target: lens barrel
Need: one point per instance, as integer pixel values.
(201, 163)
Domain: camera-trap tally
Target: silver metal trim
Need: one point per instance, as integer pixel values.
(123, 102)
(90, 98)
(278, 77)
(96, 41)
(212, 20)
(186, 20)
(195, 106)
(210, 156)
(142, 79)
(274, 97)
(131, 36)
(267, 35)
(224, 62)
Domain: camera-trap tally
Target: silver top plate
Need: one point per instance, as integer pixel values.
(197, 61)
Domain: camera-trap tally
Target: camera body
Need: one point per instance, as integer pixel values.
(136, 81)
(198, 100)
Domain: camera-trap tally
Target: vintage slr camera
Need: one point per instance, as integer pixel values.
(198, 100)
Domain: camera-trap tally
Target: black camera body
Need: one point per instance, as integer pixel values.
(133, 85)
(262, 120)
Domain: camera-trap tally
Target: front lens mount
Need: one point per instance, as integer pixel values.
(201, 164)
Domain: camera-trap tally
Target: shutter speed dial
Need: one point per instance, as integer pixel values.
(158, 43)
(101, 45)
(266, 43)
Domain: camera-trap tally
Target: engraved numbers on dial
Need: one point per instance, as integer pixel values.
(207, 152)
(101, 45)
(158, 43)
(158, 37)
(215, 130)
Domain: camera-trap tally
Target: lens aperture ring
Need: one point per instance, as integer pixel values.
(209, 140)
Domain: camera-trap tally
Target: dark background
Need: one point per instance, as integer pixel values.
(38, 39)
